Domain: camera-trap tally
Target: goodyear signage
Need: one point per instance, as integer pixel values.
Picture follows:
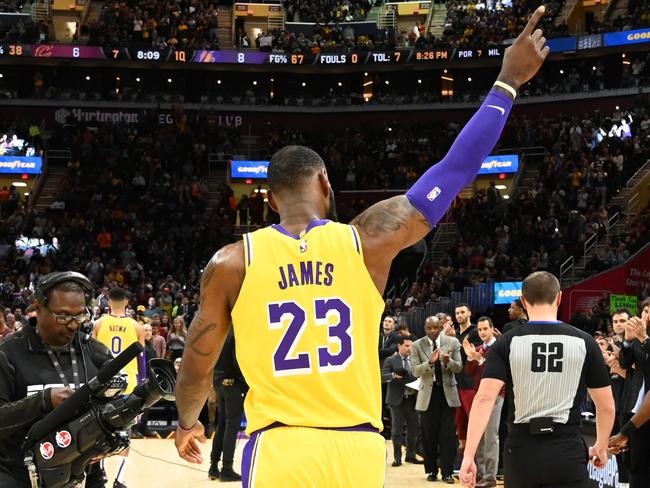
(627, 37)
(249, 169)
(508, 163)
(21, 165)
(507, 291)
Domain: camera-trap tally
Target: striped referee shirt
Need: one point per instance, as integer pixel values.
(547, 367)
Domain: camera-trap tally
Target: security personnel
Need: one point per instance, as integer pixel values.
(231, 388)
(546, 366)
(42, 365)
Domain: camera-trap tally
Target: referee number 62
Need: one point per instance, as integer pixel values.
(547, 357)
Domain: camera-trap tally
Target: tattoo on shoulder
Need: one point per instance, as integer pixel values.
(388, 216)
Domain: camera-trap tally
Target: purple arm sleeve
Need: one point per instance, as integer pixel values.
(142, 367)
(436, 189)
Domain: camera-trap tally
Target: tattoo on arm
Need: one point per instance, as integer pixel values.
(196, 338)
(389, 216)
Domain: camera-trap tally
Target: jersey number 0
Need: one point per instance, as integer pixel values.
(285, 361)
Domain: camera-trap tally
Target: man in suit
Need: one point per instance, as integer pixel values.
(396, 371)
(517, 315)
(387, 346)
(387, 338)
(435, 359)
(635, 358)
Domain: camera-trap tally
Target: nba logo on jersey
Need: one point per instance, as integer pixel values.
(433, 194)
(303, 246)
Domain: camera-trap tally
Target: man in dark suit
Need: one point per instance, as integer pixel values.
(635, 358)
(401, 400)
(387, 338)
(517, 314)
(435, 359)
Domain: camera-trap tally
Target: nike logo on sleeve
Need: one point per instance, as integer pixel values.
(500, 109)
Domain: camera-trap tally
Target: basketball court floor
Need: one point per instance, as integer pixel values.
(154, 463)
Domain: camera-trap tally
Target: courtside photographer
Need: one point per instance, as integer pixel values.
(42, 365)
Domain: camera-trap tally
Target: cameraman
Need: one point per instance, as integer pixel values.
(42, 365)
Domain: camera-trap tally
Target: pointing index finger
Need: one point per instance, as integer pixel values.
(534, 19)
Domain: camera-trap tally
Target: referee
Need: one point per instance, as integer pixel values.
(546, 366)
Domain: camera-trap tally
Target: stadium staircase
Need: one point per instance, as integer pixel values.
(445, 236)
(218, 169)
(386, 16)
(48, 188)
(224, 26)
(39, 11)
(565, 13)
(621, 208)
(435, 23)
(616, 9)
(275, 20)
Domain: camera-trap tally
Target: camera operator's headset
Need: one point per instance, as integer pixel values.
(50, 281)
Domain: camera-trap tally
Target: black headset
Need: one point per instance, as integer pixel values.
(51, 280)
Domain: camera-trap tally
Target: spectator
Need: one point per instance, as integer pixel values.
(176, 338)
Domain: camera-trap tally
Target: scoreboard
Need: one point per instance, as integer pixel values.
(249, 57)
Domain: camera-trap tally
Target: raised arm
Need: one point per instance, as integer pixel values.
(220, 285)
(399, 222)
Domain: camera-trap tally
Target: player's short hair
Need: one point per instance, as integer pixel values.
(291, 166)
(540, 288)
(117, 294)
(466, 305)
(486, 319)
(402, 339)
(622, 310)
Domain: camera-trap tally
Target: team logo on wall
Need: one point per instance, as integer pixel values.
(47, 450)
(61, 115)
(63, 439)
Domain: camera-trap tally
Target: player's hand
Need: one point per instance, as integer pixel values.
(445, 357)
(598, 456)
(435, 355)
(617, 443)
(468, 473)
(59, 394)
(526, 55)
(186, 443)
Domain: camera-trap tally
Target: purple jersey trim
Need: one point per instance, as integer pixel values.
(356, 241)
(248, 248)
(312, 224)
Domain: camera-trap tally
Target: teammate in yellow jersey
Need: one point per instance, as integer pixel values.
(304, 299)
(118, 331)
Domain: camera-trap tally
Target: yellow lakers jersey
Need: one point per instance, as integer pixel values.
(306, 327)
(118, 333)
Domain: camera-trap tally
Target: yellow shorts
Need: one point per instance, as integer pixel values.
(304, 457)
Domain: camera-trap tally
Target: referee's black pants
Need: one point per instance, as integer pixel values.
(557, 460)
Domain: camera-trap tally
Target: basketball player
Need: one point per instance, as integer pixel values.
(118, 331)
(304, 298)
